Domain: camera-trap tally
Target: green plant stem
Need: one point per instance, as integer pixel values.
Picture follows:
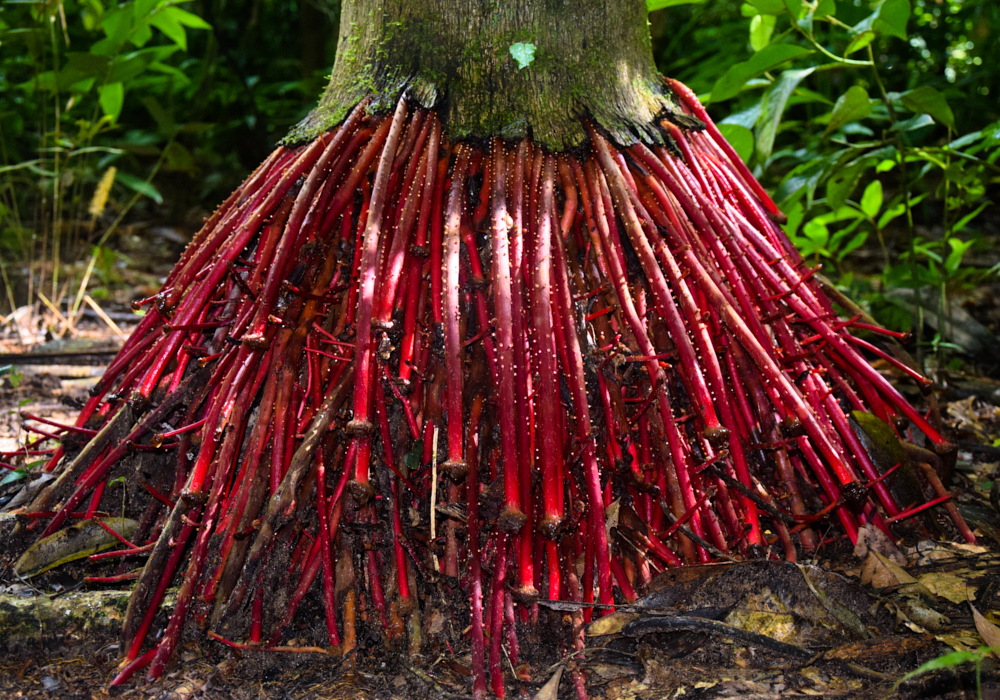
(832, 56)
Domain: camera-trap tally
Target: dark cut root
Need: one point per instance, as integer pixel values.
(380, 306)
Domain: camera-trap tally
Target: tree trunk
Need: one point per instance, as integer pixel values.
(592, 59)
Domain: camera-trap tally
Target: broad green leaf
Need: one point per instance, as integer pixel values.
(854, 105)
(871, 200)
(897, 208)
(523, 53)
(795, 7)
(796, 213)
(927, 100)
(193, 21)
(748, 117)
(826, 8)
(767, 129)
(964, 141)
(914, 123)
(892, 18)
(761, 29)
(412, 458)
(958, 251)
(652, 5)
(859, 42)
(141, 35)
(140, 186)
(856, 242)
(141, 8)
(769, 57)
(117, 25)
(740, 138)
(14, 475)
(967, 219)
(130, 65)
(167, 23)
(769, 7)
(842, 183)
(112, 99)
(816, 232)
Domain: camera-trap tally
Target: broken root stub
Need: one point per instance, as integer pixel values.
(596, 268)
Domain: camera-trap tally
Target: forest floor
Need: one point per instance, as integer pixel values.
(849, 622)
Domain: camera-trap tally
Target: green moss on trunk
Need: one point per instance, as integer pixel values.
(592, 59)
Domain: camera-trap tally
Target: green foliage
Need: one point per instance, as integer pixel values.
(853, 120)
(13, 376)
(523, 53)
(74, 80)
(112, 112)
(660, 4)
(952, 659)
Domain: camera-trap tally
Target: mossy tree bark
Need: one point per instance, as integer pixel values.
(592, 59)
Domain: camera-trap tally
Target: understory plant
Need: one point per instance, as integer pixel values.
(64, 159)
(459, 326)
(859, 161)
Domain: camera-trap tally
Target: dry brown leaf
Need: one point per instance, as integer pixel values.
(987, 630)
(870, 538)
(550, 691)
(949, 586)
(880, 572)
(610, 624)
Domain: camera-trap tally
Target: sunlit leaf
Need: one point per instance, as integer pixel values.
(761, 29)
(854, 105)
(769, 57)
(967, 219)
(825, 8)
(893, 17)
(859, 42)
(740, 138)
(112, 99)
(652, 5)
(958, 250)
(769, 7)
(871, 200)
(167, 22)
(767, 129)
(927, 100)
(890, 17)
(856, 242)
(795, 7)
(523, 53)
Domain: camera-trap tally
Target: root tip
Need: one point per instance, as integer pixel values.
(361, 491)
(455, 469)
(511, 519)
(550, 527)
(717, 436)
(359, 428)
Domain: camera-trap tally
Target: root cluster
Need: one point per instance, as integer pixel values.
(388, 358)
